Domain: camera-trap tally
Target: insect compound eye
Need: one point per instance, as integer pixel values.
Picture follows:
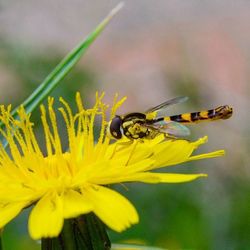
(115, 127)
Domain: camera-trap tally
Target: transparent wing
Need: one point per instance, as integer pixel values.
(171, 128)
(168, 103)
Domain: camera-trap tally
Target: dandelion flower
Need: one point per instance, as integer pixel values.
(61, 185)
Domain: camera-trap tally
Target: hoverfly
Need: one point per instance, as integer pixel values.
(153, 122)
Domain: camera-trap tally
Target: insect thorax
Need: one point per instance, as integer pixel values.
(134, 127)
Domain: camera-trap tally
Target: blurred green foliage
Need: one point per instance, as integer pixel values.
(174, 216)
(32, 67)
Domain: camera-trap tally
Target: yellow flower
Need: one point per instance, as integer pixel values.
(65, 185)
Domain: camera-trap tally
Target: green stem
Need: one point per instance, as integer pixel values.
(95, 231)
(50, 244)
(1, 240)
(67, 237)
(85, 232)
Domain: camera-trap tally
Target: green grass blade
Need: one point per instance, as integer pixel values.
(63, 68)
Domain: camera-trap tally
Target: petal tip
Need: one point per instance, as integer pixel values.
(203, 175)
(202, 140)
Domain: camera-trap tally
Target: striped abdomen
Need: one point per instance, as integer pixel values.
(222, 112)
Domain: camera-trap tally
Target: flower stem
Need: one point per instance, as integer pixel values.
(1, 241)
(85, 232)
(94, 232)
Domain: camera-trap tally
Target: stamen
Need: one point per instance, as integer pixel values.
(46, 130)
(56, 137)
(6, 120)
(116, 105)
(69, 121)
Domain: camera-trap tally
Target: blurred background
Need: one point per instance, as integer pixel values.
(152, 51)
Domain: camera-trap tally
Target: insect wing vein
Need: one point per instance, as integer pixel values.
(168, 103)
(171, 128)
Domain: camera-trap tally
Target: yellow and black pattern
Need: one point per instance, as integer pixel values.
(222, 112)
(135, 126)
(151, 123)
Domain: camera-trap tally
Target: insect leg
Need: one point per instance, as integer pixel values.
(122, 146)
(172, 137)
(132, 151)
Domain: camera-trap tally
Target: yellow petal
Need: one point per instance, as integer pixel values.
(46, 218)
(177, 178)
(117, 174)
(174, 152)
(10, 211)
(112, 208)
(163, 177)
(207, 155)
(75, 204)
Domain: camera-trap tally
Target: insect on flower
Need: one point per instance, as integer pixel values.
(61, 185)
(154, 121)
